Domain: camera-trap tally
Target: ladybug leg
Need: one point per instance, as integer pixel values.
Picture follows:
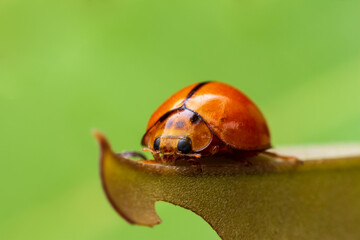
(214, 149)
(196, 155)
(148, 150)
(196, 164)
(285, 158)
(154, 153)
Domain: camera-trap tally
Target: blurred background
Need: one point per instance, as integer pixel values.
(67, 67)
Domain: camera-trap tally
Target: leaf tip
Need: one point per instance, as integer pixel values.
(103, 142)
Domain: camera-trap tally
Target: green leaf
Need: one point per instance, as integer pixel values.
(264, 198)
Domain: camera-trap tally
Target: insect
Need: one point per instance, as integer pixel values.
(206, 119)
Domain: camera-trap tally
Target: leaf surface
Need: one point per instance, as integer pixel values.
(265, 198)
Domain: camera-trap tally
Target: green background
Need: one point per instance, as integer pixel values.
(67, 67)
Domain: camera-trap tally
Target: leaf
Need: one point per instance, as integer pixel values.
(265, 198)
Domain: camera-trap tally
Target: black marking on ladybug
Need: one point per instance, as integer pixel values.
(169, 124)
(197, 87)
(184, 145)
(163, 117)
(157, 144)
(180, 124)
(195, 118)
(223, 119)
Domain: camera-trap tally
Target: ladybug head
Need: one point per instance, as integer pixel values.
(167, 144)
(182, 134)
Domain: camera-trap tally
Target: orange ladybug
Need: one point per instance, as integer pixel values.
(205, 119)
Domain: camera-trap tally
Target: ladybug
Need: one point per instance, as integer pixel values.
(206, 119)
